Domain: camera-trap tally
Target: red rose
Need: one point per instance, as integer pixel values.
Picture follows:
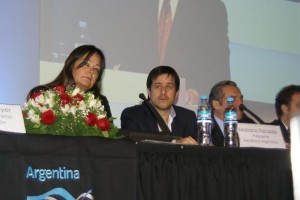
(91, 119)
(60, 89)
(35, 95)
(77, 98)
(103, 124)
(48, 117)
(64, 99)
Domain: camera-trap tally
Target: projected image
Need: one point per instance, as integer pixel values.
(204, 40)
(137, 35)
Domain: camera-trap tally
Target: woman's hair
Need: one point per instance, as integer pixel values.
(65, 77)
(163, 70)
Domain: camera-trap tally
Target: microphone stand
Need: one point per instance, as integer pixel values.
(243, 107)
(159, 119)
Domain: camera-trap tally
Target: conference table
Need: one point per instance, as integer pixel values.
(43, 166)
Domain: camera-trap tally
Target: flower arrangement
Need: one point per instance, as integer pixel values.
(67, 111)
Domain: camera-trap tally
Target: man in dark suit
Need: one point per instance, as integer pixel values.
(287, 104)
(163, 89)
(217, 100)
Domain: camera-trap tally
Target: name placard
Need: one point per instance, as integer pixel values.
(11, 118)
(262, 136)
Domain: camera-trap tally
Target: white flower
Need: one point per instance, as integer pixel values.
(73, 110)
(31, 102)
(82, 106)
(40, 99)
(49, 99)
(91, 97)
(50, 94)
(25, 107)
(92, 102)
(101, 116)
(99, 106)
(49, 103)
(33, 117)
(76, 91)
(65, 109)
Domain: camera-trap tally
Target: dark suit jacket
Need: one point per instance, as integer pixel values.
(140, 118)
(103, 98)
(217, 134)
(284, 131)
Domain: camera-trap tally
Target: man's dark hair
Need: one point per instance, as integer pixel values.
(163, 70)
(284, 97)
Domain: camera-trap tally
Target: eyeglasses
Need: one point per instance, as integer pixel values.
(240, 98)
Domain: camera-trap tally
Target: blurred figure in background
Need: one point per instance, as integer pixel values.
(287, 104)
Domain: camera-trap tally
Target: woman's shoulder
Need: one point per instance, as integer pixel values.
(102, 97)
(39, 88)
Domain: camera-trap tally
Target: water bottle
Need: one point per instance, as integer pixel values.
(230, 125)
(204, 122)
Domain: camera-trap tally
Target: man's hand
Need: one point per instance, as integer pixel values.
(287, 146)
(186, 140)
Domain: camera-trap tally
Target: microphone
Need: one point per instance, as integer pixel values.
(243, 107)
(142, 96)
(157, 116)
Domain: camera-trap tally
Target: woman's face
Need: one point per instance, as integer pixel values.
(86, 76)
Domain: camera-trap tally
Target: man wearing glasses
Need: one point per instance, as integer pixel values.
(218, 102)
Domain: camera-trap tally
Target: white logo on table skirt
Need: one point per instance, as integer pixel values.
(61, 193)
(61, 173)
